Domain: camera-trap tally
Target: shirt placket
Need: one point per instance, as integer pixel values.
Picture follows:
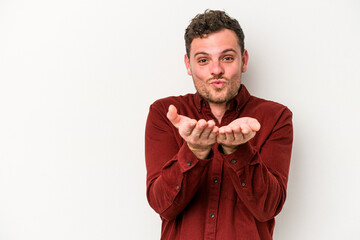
(214, 182)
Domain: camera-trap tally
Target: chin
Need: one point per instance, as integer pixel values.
(224, 98)
(220, 101)
(217, 99)
(217, 96)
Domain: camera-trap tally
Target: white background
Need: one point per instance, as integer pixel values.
(77, 78)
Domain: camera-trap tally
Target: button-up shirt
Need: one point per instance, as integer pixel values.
(234, 196)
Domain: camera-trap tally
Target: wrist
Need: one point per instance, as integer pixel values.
(228, 149)
(200, 153)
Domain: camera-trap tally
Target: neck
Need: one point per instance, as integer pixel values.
(218, 110)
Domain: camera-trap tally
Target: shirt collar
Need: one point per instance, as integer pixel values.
(236, 103)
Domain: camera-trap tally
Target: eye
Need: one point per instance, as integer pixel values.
(228, 59)
(202, 61)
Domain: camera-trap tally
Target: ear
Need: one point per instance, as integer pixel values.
(187, 64)
(244, 60)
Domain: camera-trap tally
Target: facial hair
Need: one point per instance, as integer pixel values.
(206, 93)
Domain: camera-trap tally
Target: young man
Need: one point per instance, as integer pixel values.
(217, 160)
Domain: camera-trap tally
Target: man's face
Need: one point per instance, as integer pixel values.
(215, 65)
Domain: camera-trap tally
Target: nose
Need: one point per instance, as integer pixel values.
(216, 69)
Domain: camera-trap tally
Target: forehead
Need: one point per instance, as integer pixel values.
(215, 43)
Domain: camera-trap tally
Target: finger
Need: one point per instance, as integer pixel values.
(173, 116)
(199, 128)
(254, 124)
(236, 129)
(248, 136)
(221, 137)
(187, 127)
(211, 123)
(238, 135)
(228, 129)
(214, 133)
(222, 130)
(229, 135)
(207, 131)
(245, 129)
(237, 132)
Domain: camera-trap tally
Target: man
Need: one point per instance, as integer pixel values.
(217, 160)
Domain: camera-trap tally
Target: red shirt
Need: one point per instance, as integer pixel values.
(228, 197)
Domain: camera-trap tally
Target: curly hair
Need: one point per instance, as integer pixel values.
(209, 22)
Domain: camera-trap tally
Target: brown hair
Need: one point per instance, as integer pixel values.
(209, 22)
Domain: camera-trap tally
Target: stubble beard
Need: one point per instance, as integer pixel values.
(210, 97)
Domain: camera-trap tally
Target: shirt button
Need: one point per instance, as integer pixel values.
(233, 161)
(188, 163)
(177, 187)
(215, 180)
(212, 215)
(243, 184)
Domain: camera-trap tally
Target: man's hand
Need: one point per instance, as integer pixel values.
(236, 133)
(200, 135)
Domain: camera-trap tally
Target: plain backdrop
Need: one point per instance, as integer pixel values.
(76, 81)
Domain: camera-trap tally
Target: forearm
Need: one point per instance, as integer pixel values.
(170, 191)
(178, 150)
(259, 189)
(259, 174)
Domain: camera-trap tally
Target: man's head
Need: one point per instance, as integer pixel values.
(216, 56)
(212, 21)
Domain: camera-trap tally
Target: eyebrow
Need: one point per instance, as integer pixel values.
(225, 51)
(229, 50)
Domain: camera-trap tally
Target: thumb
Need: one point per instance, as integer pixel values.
(173, 116)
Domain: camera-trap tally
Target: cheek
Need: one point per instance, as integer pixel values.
(236, 80)
(237, 74)
(199, 75)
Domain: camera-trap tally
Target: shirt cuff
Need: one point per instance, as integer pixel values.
(242, 157)
(187, 160)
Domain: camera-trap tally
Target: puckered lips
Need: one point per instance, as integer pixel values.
(218, 83)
